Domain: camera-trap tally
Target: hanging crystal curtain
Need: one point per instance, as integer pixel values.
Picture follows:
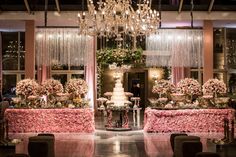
(175, 48)
(62, 46)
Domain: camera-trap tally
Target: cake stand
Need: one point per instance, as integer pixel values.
(119, 125)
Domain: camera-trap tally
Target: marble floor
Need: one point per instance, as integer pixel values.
(102, 143)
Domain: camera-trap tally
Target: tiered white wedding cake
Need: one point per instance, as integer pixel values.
(118, 97)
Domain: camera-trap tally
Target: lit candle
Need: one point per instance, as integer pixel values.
(83, 15)
(95, 14)
(103, 14)
(114, 14)
(138, 11)
(79, 16)
(127, 14)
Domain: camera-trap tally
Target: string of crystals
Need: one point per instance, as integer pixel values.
(111, 18)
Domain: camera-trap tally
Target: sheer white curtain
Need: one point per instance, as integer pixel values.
(176, 48)
(63, 46)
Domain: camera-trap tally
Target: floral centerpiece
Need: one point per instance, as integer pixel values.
(214, 87)
(25, 89)
(189, 86)
(51, 88)
(163, 87)
(76, 88)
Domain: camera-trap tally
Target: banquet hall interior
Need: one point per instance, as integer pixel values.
(117, 78)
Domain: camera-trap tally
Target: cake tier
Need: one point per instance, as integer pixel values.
(118, 85)
(118, 93)
(118, 90)
(115, 97)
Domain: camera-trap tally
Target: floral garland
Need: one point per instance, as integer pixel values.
(51, 87)
(27, 87)
(189, 86)
(76, 87)
(119, 56)
(163, 87)
(214, 86)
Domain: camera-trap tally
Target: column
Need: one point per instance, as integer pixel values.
(207, 50)
(30, 49)
(1, 64)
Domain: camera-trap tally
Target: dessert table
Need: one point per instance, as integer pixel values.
(50, 120)
(186, 120)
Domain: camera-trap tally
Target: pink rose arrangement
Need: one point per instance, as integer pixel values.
(163, 87)
(51, 87)
(214, 86)
(27, 87)
(189, 86)
(76, 87)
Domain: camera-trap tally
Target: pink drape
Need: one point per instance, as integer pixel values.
(43, 72)
(90, 74)
(179, 73)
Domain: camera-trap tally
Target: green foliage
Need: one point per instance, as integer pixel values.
(167, 73)
(119, 56)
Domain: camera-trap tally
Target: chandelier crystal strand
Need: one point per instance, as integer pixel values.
(114, 17)
(170, 47)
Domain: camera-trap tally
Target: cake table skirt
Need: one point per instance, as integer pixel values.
(50, 120)
(186, 120)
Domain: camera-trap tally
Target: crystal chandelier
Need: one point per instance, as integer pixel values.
(112, 18)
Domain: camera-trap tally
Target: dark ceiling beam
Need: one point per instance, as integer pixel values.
(27, 6)
(46, 13)
(180, 6)
(211, 6)
(58, 6)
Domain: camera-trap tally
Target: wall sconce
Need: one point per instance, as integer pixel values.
(155, 77)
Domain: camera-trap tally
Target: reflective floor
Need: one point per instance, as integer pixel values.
(102, 143)
(116, 144)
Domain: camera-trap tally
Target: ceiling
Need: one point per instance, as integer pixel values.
(77, 5)
(222, 12)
